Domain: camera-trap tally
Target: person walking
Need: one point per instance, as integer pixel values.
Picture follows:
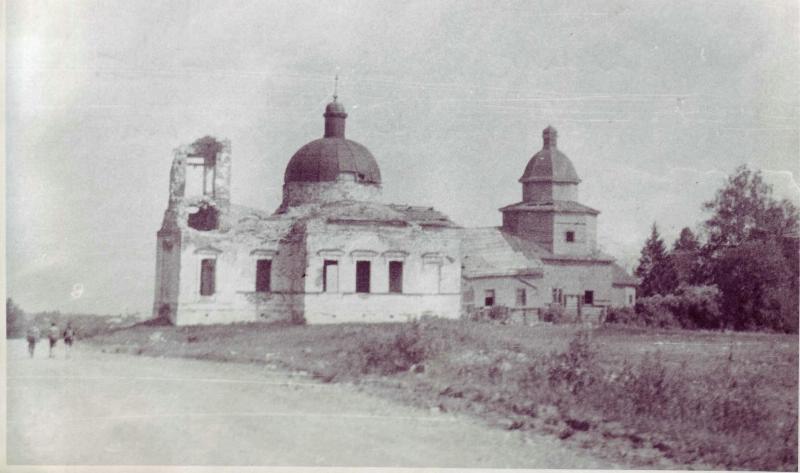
(32, 336)
(69, 337)
(52, 335)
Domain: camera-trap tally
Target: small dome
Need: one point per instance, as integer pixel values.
(550, 164)
(335, 107)
(324, 159)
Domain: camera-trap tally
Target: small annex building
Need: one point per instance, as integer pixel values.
(545, 252)
(332, 252)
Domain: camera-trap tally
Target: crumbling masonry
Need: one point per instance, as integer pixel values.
(332, 252)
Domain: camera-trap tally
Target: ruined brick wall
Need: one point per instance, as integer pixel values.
(167, 281)
(236, 254)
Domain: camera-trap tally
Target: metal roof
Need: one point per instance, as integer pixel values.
(550, 164)
(565, 206)
(491, 252)
(323, 160)
(620, 277)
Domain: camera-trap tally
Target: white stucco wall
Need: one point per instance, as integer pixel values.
(431, 272)
(234, 298)
(623, 296)
(574, 278)
(324, 308)
(505, 290)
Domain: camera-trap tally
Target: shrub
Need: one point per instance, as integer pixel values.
(695, 306)
(557, 315)
(648, 389)
(622, 315)
(394, 354)
(654, 312)
(576, 368)
(689, 307)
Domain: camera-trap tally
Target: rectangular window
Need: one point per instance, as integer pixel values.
(395, 276)
(570, 237)
(557, 296)
(488, 298)
(522, 297)
(263, 275)
(630, 300)
(362, 276)
(330, 276)
(588, 297)
(207, 276)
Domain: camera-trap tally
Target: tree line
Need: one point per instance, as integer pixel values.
(738, 271)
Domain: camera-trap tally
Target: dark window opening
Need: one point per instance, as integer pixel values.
(362, 276)
(488, 299)
(205, 219)
(558, 296)
(330, 276)
(570, 236)
(588, 297)
(263, 275)
(630, 299)
(395, 276)
(522, 297)
(207, 276)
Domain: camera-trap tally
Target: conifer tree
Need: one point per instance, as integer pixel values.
(655, 267)
(687, 258)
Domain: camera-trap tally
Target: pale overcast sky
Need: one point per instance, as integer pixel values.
(655, 103)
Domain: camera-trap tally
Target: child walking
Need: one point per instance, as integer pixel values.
(69, 337)
(52, 335)
(32, 336)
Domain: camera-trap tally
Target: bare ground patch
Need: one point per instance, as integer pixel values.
(649, 398)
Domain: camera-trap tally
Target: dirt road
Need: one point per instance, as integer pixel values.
(100, 408)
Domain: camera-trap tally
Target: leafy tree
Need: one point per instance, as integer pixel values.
(744, 209)
(752, 277)
(14, 319)
(752, 250)
(655, 267)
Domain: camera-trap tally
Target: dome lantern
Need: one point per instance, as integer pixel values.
(335, 117)
(550, 137)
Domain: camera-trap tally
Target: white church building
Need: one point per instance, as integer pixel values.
(332, 252)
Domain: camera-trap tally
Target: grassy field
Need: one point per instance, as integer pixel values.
(650, 398)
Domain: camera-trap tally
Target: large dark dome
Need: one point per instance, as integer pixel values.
(550, 164)
(324, 159)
